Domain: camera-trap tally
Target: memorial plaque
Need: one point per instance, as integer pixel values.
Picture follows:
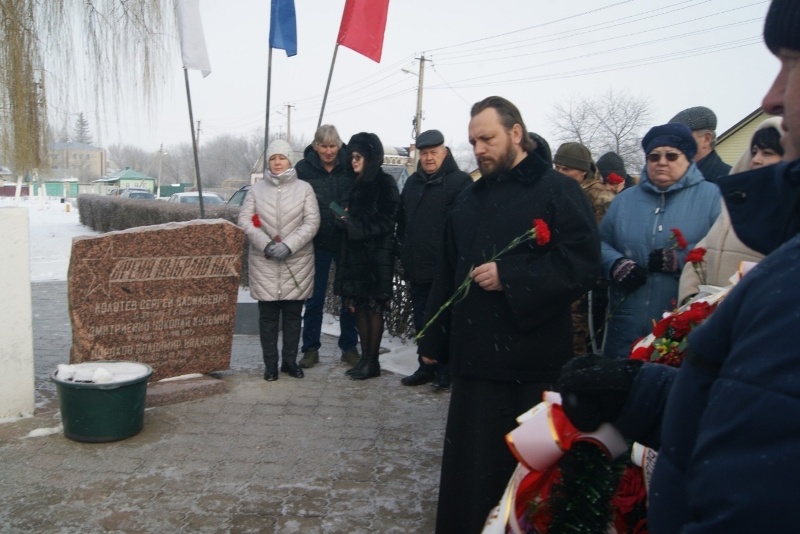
(162, 295)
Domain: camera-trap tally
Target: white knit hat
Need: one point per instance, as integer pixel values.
(279, 146)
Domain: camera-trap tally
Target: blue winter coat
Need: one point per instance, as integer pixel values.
(639, 220)
(728, 422)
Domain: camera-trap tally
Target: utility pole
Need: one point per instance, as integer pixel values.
(289, 123)
(417, 122)
(418, 118)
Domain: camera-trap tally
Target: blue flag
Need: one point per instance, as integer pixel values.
(283, 26)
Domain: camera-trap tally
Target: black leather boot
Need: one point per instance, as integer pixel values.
(362, 361)
(371, 369)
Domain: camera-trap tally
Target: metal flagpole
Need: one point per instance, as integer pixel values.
(327, 85)
(194, 144)
(266, 119)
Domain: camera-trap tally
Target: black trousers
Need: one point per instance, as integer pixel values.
(477, 463)
(274, 316)
(419, 294)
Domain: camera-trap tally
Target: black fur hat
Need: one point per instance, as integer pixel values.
(370, 146)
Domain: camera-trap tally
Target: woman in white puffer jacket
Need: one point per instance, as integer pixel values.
(280, 216)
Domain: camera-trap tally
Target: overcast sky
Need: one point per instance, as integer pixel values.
(676, 54)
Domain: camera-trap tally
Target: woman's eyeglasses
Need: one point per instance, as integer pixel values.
(655, 157)
(356, 157)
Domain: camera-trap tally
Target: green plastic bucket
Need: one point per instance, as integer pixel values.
(101, 412)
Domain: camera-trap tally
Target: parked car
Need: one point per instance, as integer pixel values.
(142, 194)
(238, 197)
(194, 198)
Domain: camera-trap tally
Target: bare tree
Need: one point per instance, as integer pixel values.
(122, 156)
(227, 157)
(465, 157)
(123, 44)
(611, 122)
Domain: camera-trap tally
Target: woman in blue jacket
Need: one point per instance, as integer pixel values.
(642, 255)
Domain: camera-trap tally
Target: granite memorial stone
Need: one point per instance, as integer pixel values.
(163, 295)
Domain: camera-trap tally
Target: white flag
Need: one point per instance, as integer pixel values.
(193, 43)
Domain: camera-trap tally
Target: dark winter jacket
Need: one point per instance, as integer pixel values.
(729, 437)
(328, 186)
(640, 220)
(424, 204)
(524, 332)
(367, 263)
(712, 167)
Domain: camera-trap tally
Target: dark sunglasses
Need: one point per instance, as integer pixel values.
(356, 157)
(671, 156)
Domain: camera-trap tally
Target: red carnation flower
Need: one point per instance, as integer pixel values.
(615, 179)
(661, 327)
(256, 221)
(696, 255)
(679, 239)
(542, 232)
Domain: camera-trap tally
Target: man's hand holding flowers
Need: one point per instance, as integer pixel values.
(487, 277)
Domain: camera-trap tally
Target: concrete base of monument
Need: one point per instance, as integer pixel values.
(246, 314)
(173, 391)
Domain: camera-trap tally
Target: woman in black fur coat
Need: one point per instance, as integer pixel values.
(364, 278)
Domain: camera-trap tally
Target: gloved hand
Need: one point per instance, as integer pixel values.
(340, 223)
(628, 274)
(278, 251)
(663, 260)
(595, 388)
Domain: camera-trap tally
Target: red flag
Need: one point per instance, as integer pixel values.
(363, 26)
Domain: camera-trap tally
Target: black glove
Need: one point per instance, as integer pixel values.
(595, 388)
(278, 251)
(628, 274)
(663, 260)
(340, 223)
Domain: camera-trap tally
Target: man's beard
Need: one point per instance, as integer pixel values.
(504, 163)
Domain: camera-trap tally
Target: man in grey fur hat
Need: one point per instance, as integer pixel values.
(703, 124)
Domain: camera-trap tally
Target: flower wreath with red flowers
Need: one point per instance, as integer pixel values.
(584, 491)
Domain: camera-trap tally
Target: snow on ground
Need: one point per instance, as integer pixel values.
(52, 228)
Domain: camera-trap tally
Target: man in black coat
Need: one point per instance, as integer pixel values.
(324, 167)
(424, 203)
(507, 339)
(703, 123)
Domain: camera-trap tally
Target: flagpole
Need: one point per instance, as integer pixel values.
(194, 144)
(266, 119)
(327, 86)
